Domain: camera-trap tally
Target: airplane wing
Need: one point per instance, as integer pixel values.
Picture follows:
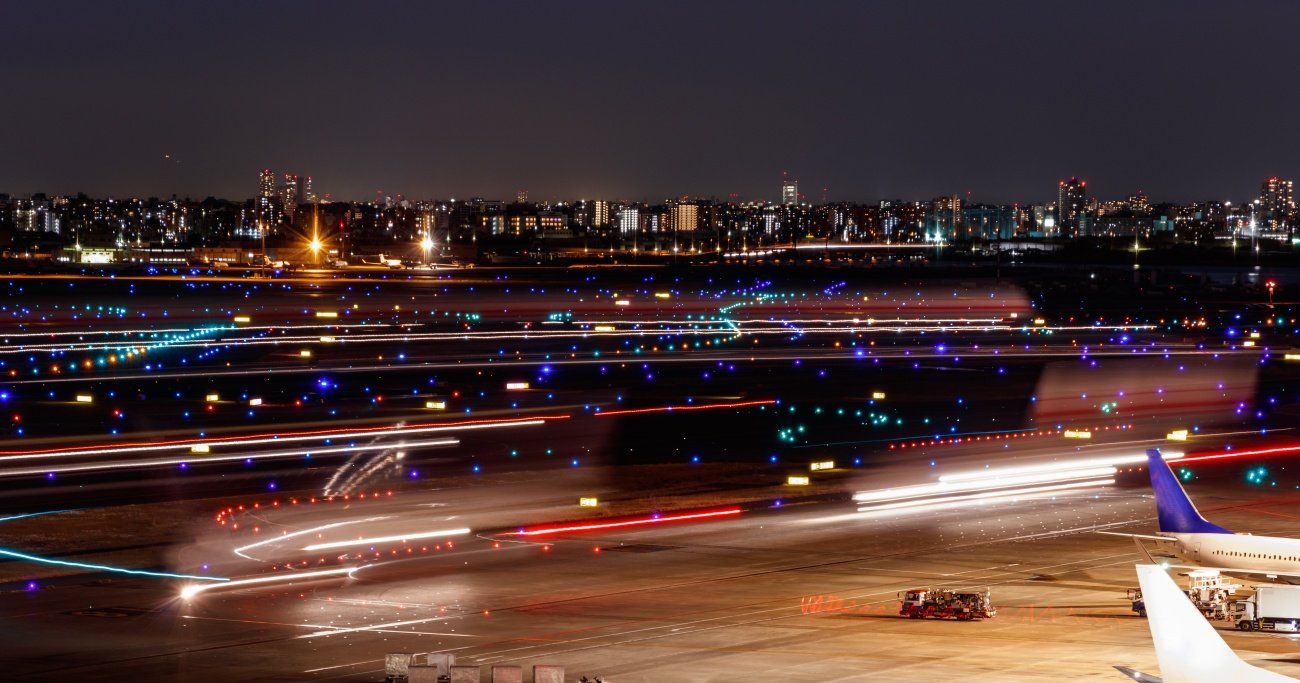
(1188, 648)
(1143, 550)
(1138, 675)
(1145, 537)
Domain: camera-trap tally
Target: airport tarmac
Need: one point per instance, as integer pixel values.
(797, 592)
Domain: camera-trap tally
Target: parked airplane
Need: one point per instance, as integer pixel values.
(384, 261)
(1209, 545)
(1188, 648)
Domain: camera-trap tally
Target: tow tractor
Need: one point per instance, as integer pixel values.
(944, 603)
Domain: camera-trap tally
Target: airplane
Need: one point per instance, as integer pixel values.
(1188, 648)
(384, 261)
(1209, 545)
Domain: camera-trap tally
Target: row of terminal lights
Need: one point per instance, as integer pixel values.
(1067, 433)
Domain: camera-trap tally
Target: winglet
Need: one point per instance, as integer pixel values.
(1138, 675)
(1175, 510)
(1187, 646)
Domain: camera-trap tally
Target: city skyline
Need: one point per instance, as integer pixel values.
(862, 100)
(294, 189)
(286, 206)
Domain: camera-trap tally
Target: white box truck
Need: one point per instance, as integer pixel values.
(1271, 608)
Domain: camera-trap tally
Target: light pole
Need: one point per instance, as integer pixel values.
(315, 236)
(427, 243)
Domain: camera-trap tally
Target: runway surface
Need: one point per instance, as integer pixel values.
(796, 592)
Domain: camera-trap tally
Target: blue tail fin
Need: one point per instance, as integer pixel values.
(1175, 510)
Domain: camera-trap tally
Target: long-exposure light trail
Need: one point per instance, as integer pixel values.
(106, 568)
(27, 515)
(1052, 467)
(670, 409)
(312, 435)
(640, 328)
(1010, 480)
(188, 592)
(141, 337)
(1251, 452)
(242, 550)
(991, 483)
(207, 458)
(641, 521)
(850, 355)
(387, 539)
(982, 497)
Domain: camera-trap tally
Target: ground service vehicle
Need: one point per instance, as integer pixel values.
(943, 603)
(1211, 593)
(1206, 588)
(1271, 608)
(1188, 648)
(1136, 603)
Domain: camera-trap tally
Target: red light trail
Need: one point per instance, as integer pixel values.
(636, 521)
(670, 409)
(1226, 455)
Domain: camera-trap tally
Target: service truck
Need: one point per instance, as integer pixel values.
(943, 603)
(1273, 607)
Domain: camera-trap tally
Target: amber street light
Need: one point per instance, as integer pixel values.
(427, 243)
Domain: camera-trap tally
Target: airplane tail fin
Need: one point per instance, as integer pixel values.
(1187, 646)
(1175, 510)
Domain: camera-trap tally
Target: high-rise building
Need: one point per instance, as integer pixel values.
(789, 191)
(289, 196)
(1139, 203)
(268, 204)
(629, 220)
(521, 197)
(1277, 207)
(600, 214)
(685, 217)
(1071, 207)
(945, 217)
(266, 182)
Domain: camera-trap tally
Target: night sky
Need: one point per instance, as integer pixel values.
(649, 100)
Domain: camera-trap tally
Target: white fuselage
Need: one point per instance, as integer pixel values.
(1254, 554)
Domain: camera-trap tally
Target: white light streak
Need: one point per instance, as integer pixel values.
(217, 443)
(283, 537)
(204, 459)
(387, 539)
(932, 505)
(993, 482)
(188, 592)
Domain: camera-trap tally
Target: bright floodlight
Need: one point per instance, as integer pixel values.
(427, 243)
(315, 245)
